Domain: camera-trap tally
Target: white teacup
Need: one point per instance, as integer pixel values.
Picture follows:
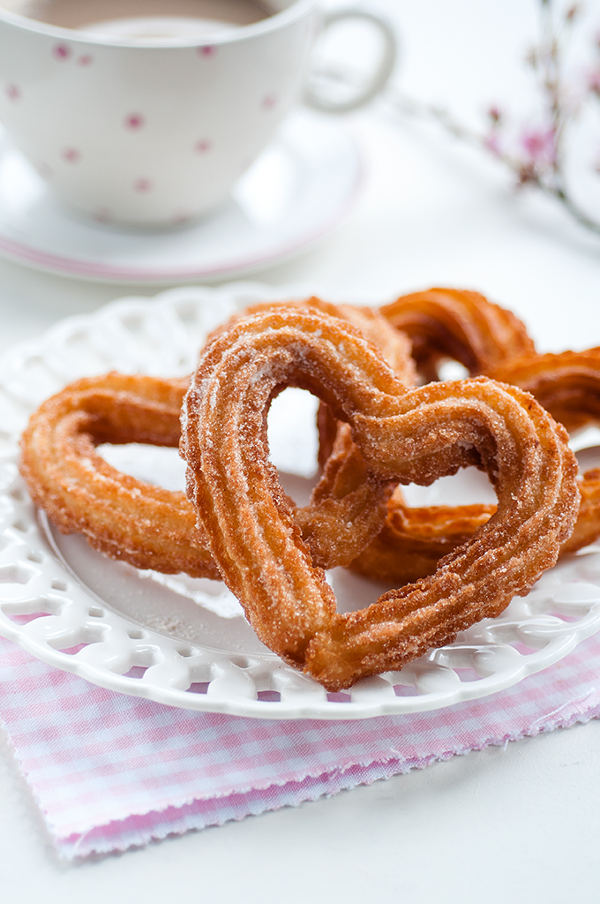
(156, 128)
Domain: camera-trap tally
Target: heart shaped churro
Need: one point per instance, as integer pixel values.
(406, 436)
(151, 527)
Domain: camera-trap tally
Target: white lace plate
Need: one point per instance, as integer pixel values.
(185, 642)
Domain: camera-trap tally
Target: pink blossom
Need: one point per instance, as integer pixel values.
(71, 155)
(539, 145)
(492, 142)
(134, 121)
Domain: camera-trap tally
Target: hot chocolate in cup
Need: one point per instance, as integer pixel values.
(148, 111)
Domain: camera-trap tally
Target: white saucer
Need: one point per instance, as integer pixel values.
(295, 192)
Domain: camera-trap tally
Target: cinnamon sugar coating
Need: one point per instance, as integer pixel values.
(405, 436)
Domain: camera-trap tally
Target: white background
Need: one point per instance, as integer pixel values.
(520, 823)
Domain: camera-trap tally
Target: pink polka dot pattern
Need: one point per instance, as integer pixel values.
(134, 121)
(207, 50)
(269, 101)
(13, 92)
(71, 155)
(61, 52)
(85, 60)
(202, 146)
(142, 185)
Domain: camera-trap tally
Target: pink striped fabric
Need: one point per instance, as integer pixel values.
(111, 772)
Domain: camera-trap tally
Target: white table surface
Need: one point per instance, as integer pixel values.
(518, 823)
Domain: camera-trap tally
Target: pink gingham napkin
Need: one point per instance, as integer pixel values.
(110, 771)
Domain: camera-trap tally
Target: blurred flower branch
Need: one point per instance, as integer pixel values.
(535, 154)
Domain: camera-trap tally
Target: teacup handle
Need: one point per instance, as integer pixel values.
(379, 77)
